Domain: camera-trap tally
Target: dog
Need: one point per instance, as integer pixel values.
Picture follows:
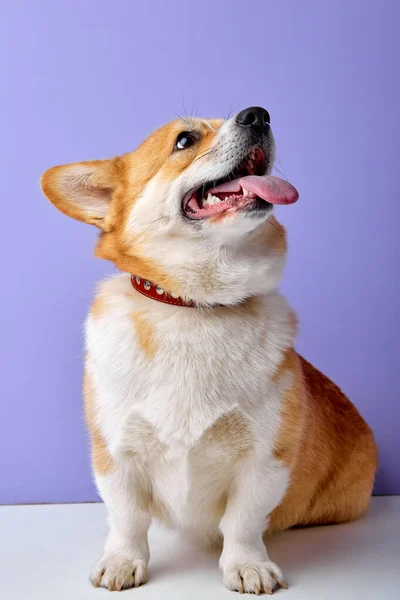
(201, 414)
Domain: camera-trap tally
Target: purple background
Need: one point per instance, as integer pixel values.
(89, 79)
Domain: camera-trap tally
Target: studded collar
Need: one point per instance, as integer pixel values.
(156, 292)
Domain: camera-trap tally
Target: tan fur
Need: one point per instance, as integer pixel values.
(141, 439)
(272, 236)
(303, 434)
(231, 434)
(108, 249)
(216, 456)
(105, 177)
(275, 235)
(181, 161)
(102, 462)
(124, 179)
(288, 363)
(287, 440)
(330, 447)
(97, 308)
(145, 333)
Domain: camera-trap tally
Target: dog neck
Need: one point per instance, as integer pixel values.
(156, 292)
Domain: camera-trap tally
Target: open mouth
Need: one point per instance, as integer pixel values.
(246, 188)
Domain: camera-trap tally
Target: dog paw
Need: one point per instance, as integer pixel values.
(116, 573)
(254, 578)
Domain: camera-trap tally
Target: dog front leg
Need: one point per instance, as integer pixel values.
(244, 561)
(126, 553)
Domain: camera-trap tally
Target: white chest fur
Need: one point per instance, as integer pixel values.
(207, 367)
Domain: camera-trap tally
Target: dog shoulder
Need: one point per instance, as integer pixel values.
(118, 319)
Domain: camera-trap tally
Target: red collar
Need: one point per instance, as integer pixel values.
(156, 292)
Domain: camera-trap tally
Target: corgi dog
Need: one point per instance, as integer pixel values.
(201, 414)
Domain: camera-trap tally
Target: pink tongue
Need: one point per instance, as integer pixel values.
(269, 188)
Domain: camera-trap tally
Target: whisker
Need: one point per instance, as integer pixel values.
(278, 230)
(282, 167)
(158, 220)
(203, 154)
(194, 114)
(184, 119)
(229, 112)
(280, 172)
(187, 120)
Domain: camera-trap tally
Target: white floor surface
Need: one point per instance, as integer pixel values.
(47, 551)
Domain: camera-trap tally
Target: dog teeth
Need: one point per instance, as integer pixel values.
(247, 194)
(211, 200)
(252, 155)
(251, 166)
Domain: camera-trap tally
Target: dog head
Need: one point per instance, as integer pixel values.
(190, 209)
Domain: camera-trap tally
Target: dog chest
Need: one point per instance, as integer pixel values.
(189, 482)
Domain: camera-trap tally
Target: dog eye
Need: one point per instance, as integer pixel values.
(184, 140)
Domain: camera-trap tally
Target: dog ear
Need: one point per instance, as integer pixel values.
(83, 190)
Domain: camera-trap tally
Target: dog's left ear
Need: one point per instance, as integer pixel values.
(83, 190)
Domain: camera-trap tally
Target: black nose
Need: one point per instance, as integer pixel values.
(255, 117)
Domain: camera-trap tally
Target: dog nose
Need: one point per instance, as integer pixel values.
(255, 118)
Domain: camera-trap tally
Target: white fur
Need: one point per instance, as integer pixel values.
(188, 250)
(154, 412)
(190, 408)
(199, 373)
